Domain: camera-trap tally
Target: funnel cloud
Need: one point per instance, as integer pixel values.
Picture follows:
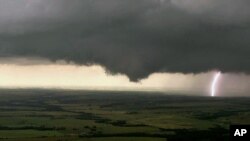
(136, 38)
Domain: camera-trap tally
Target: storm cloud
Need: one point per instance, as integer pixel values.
(130, 37)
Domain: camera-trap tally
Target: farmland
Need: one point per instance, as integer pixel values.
(63, 115)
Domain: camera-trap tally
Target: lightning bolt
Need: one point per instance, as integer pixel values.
(215, 80)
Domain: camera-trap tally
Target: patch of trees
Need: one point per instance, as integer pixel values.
(40, 128)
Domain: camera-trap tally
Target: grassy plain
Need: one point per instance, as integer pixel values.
(57, 115)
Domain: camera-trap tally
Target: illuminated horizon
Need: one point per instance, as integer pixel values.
(70, 76)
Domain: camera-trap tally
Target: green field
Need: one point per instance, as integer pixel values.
(57, 115)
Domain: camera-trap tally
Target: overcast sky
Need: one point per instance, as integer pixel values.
(136, 41)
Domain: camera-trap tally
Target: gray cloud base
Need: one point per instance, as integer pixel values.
(135, 38)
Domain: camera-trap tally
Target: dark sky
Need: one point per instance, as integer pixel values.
(132, 37)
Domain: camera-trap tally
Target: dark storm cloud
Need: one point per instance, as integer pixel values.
(131, 37)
